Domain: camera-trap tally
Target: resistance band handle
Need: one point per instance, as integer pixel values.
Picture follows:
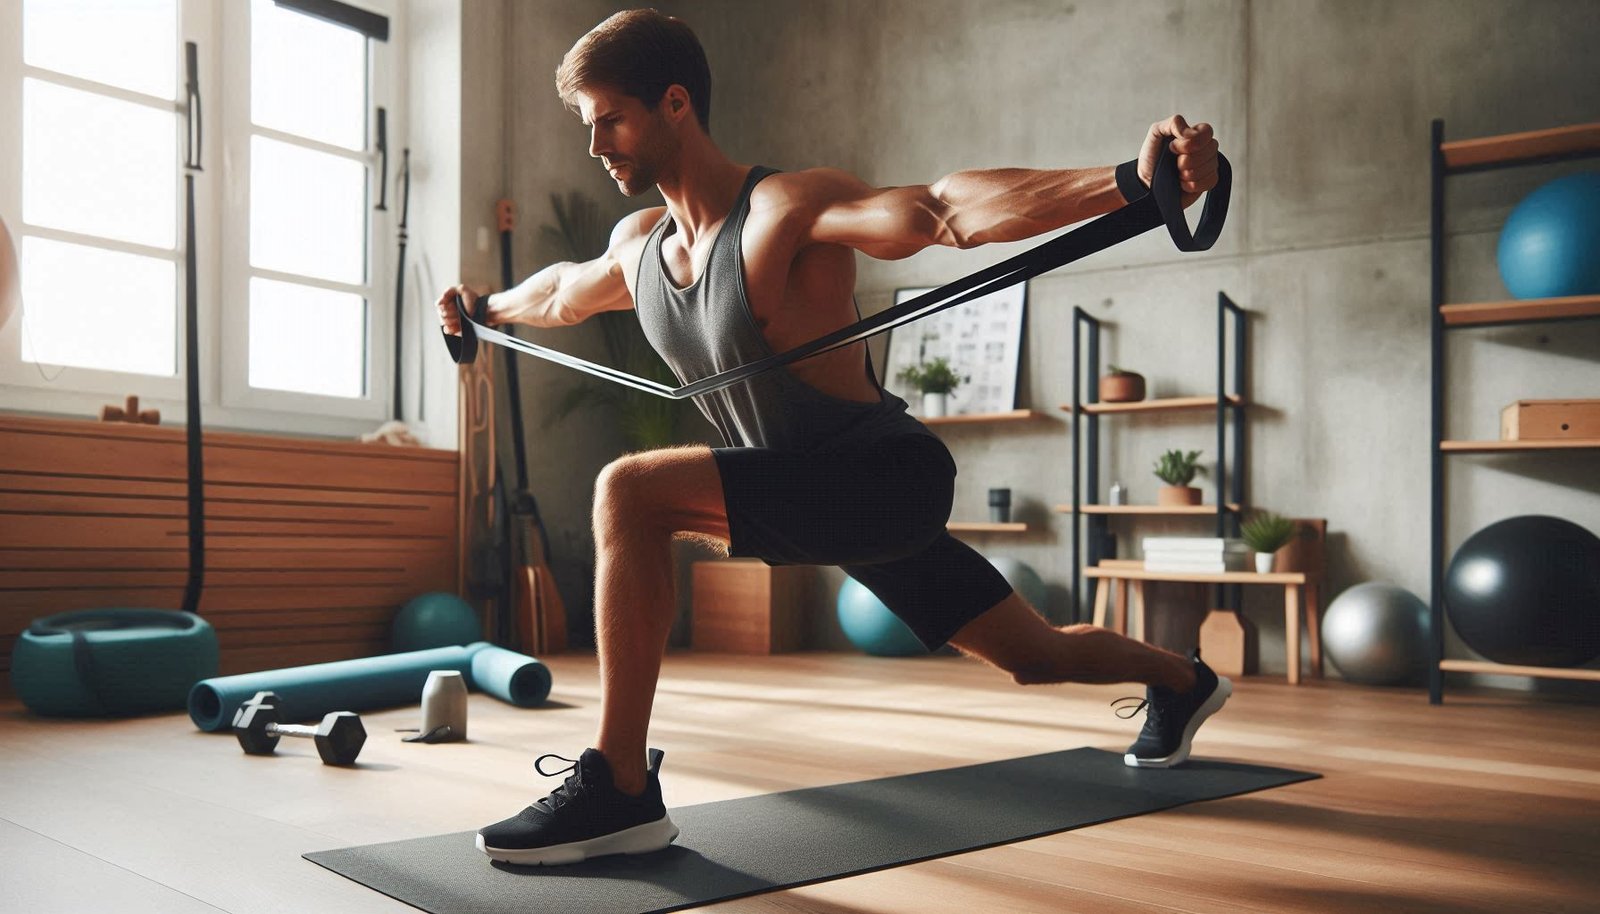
(1164, 187)
(464, 348)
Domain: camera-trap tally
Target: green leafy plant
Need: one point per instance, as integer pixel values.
(935, 377)
(647, 421)
(1176, 468)
(1267, 532)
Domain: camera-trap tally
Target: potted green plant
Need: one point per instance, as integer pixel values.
(647, 421)
(1266, 533)
(935, 380)
(1177, 469)
(1121, 386)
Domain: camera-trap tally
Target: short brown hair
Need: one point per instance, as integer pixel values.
(640, 53)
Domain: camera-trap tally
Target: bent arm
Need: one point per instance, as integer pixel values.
(567, 294)
(962, 210)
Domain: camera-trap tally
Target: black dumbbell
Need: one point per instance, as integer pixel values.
(339, 737)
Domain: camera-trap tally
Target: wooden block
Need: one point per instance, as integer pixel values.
(1541, 420)
(1228, 643)
(745, 606)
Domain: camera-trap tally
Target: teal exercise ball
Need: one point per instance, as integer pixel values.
(435, 620)
(1550, 244)
(1022, 578)
(870, 625)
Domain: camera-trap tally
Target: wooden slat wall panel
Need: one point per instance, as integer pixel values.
(310, 546)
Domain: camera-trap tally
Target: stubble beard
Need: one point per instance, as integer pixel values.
(644, 171)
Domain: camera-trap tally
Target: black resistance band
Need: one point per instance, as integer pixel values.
(1161, 205)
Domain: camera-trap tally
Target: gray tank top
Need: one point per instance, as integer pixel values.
(708, 328)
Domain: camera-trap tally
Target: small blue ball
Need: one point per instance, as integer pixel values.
(870, 625)
(435, 620)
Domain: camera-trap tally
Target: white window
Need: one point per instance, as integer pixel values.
(295, 257)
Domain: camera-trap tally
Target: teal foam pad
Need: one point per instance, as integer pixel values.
(733, 848)
(368, 683)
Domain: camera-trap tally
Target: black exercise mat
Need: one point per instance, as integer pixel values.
(756, 844)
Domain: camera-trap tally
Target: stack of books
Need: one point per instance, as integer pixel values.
(1203, 554)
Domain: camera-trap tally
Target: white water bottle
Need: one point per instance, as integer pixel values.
(444, 705)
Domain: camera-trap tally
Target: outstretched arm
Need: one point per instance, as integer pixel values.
(561, 294)
(970, 208)
(565, 294)
(963, 210)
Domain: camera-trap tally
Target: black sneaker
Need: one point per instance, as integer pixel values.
(1172, 718)
(587, 816)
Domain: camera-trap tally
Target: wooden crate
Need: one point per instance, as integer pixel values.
(745, 606)
(1538, 420)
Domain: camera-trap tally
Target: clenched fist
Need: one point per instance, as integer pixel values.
(1196, 151)
(449, 317)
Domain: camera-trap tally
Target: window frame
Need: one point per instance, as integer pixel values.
(222, 225)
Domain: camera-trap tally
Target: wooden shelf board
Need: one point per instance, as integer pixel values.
(1169, 404)
(1532, 309)
(1015, 415)
(985, 527)
(1512, 147)
(1502, 669)
(1208, 510)
(1197, 577)
(1489, 447)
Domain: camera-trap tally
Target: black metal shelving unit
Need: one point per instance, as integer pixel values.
(1464, 157)
(1228, 510)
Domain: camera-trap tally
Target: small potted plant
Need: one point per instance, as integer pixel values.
(1119, 386)
(1266, 533)
(1177, 469)
(935, 380)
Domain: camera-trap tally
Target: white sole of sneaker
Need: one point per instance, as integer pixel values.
(1213, 705)
(640, 839)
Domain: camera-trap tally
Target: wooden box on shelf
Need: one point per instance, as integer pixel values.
(745, 606)
(1537, 420)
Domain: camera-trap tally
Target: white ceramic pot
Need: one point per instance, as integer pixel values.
(1264, 562)
(933, 405)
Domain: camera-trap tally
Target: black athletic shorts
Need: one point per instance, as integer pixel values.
(878, 511)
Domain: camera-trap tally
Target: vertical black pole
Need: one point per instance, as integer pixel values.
(1241, 413)
(191, 324)
(1076, 420)
(1097, 522)
(1222, 417)
(400, 287)
(1436, 452)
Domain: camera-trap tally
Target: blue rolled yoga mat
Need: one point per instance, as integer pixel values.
(367, 683)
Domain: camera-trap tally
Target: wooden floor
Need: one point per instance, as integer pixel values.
(1488, 803)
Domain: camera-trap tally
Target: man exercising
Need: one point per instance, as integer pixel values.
(822, 465)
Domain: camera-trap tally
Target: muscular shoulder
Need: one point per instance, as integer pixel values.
(833, 206)
(809, 192)
(636, 226)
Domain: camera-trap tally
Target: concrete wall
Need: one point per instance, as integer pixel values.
(1324, 109)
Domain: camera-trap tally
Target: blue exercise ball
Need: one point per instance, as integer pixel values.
(435, 620)
(1526, 591)
(1550, 245)
(870, 625)
(1022, 578)
(1377, 634)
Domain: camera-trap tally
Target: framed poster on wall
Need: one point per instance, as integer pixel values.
(981, 339)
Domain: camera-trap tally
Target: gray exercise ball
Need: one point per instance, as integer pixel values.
(1377, 634)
